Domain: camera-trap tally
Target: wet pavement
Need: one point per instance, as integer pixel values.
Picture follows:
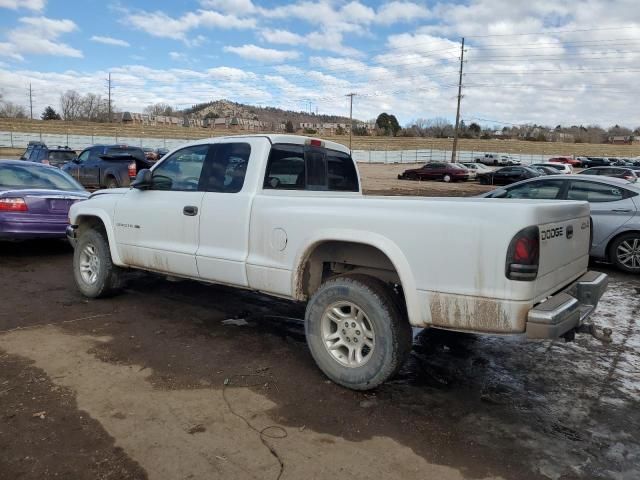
(464, 406)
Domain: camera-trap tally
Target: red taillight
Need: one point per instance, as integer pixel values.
(133, 170)
(523, 255)
(13, 205)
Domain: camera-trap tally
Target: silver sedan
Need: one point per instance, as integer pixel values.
(615, 211)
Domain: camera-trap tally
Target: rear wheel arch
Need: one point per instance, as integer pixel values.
(326, 259)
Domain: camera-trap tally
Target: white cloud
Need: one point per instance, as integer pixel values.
(159, 24)
(36, 5)
(395, 12)
(39, 36)
(110, 41)
(283, 37)
(229, 73)
(177, 56)
(237, 7)
(266, 55)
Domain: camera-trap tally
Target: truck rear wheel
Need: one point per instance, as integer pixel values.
(356, 332)
(94, 272)
(111, 182)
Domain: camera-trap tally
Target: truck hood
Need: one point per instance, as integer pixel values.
(110, 191)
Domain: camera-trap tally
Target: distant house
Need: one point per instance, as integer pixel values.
(622, 139)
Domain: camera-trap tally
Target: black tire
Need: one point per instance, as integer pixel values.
(623, 243)
(108, 277)
(393, 337)
(111, 182)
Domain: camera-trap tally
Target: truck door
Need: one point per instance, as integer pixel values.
(73, 168)
(157, 228)
(90, 170)
(226, 209)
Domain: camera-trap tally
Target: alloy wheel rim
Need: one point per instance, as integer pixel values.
(628, 253)
(89, 264)
(348, 334)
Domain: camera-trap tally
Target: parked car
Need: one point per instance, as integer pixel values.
(560, 167)
(595, 162)
(545, 170)
(448, 172)
(477, 167)
(38, 152)
(161, 152)
(284, 215)
(507, 175)
(615, 211)
(496, 159)
(107, 166)
(30, 146)
(574, 162)
(617, 172)
(620, 162)
(35, 200)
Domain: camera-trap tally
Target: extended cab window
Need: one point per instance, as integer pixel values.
(286, 168)
(227, 168)
(180, 171)
(296, 167)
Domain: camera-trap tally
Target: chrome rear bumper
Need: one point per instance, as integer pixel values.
(568, 309)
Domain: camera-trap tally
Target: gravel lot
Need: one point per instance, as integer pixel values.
(153, 384)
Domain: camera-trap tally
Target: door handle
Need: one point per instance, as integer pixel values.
(190, 211)
(622, 210)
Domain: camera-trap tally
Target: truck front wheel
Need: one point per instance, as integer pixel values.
(95, 274)
(356, 332)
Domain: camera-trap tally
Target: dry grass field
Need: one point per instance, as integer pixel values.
(359, 143)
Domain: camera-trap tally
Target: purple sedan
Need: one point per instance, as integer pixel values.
(35, 200)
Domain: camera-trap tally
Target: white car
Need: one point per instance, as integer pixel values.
(475, 169)
(561, 167)
(285, 215)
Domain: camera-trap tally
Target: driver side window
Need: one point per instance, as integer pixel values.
(181, 171)
(84, 156)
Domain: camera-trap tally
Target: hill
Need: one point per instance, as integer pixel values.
(267, 115)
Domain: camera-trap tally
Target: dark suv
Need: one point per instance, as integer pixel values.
(595, 162)
(449, 172)
(107, 166)
(38, 152)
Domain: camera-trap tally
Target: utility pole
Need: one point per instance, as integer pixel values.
(30, 101)
(455, 134)
(109, 109)
(350, 95)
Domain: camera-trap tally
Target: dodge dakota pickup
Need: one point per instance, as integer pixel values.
(285, 215)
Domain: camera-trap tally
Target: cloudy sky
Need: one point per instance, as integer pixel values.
(541, 61)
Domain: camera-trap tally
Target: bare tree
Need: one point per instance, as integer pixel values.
(159, 109)
(440, 127)
(12, 110)
(70, 105)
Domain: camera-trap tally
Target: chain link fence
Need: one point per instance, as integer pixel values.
(78, 142)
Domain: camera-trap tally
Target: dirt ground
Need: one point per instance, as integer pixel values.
(152, 384)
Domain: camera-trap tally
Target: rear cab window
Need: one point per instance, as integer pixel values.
(136, 153)
(300, 167)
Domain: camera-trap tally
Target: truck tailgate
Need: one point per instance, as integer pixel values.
(564, 248)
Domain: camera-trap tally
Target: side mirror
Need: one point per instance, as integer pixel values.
(76, 160)
(143, 179)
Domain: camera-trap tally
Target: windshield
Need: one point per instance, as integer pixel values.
(61, 156)
(19, 177)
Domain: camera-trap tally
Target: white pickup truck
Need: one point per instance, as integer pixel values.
(284, 215)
